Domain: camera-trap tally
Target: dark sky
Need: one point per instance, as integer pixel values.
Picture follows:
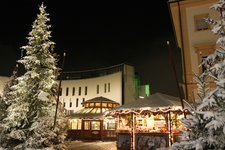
(96, 35)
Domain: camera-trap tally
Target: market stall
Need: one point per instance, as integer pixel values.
(89, 123)
(152, 122)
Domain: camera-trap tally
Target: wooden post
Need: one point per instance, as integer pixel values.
(170, 129)
(133, 131)
(59, 89)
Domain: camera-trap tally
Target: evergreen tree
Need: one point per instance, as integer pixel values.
(206, 125)
(6, 99)
(30, 118)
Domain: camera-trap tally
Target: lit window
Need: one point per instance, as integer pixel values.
(92, 104)
(110, 124)
(76, 124)
(95, 125)
(86, 125)
(97, 104)
(200, 23)
(104, 104)
(110, 105)
(114, 105)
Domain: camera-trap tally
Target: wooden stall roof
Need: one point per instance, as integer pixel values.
(155, 102)
(94, 112)
(100, 99)
(88, 116)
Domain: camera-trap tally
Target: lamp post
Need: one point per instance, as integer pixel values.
(175, 74)
(59, 89)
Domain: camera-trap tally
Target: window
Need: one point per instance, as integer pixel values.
(77, 101)
(97, 104)
(83, 99)
(200, 23)
(85, 90)
(108, 87)
(64, 104)
(92, 104)
(104, 104)
(203, 67)
(67, 91)
(70, 104)
(79, 90)
(76, 124)
(109, 124)
(105, 87)
(203, 50)
(97, 89)
(95, 125)
(87, 125)
(73, 91)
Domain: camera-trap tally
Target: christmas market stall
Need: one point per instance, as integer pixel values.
(152, 122)
(89, 122)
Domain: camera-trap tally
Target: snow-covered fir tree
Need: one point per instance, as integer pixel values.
(30, 118)
(7, 97)
(206, 125)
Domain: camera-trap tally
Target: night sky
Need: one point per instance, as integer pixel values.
(97, 35)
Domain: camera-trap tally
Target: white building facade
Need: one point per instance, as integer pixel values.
(116, 83)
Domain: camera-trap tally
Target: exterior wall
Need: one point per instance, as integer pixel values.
(121, 82)
(192, 43)
(197, 37)
(115, 93)
(129, 89)
(144, 92)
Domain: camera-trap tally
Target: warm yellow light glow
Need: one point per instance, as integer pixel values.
(104, 104)
(91, 104)
(75, 124)
(95, 125)
(97, 104)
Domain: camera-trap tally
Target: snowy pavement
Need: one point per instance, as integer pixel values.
(96, 145)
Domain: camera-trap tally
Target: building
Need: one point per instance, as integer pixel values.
(118, 83)
(90, 123)
(194, 38)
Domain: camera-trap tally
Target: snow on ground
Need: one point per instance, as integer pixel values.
(96, 145)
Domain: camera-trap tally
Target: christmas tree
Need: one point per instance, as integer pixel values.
(206, 125)
(29, 123)
(7, 97)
